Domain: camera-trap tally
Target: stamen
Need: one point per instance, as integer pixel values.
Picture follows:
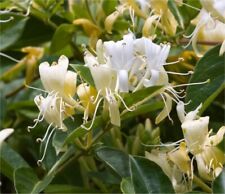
(34, 88)
(164, 145)
(46, 146)
(29, 7)
(7, 20)
(121, 99)
(95, 112)
(191, 84)
(36, 122)
(177, 73)
(46, 133)
(131, 12)
(175, 62)
(9, 57)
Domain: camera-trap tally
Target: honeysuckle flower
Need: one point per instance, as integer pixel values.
(105, 79)
(207, 29)
(216, 8)
(121, 57)
(195, 129)
(210, 159)
(4, 133)
(51, 109)
(56, 78)
(175, 165)
(167, 19)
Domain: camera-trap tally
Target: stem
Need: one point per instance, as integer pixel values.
(201, 184)
(184, 41)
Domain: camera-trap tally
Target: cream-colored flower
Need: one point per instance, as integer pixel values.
(56, 78)
(4, 134)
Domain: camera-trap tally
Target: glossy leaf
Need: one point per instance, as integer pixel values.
(117, 160)
(11, 31)
(219, 183)
(210, 66)
(147, 177)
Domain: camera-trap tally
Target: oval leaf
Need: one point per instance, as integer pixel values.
(147, 177)
(210, 66)
(117, 160)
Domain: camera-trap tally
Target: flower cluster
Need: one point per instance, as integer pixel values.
(197, 145)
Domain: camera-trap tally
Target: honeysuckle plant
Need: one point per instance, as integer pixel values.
(112, 96)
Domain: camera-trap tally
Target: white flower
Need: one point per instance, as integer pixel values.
(155, 56)
(51, 109)
(5, 133)
(121, 58)
(56, 78)
(215, 7)
(105, 79)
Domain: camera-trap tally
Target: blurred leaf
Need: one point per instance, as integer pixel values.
(176, 12)
(79, 131)
(55, 188)
(31, 37)
(126, 186)
(109, 6)
(219, 183)
(10, 161)
(147, 177)
(24, 180)
(12, 30)
(62, 37)
(117, 160)
(132, 98)
(84, 72)
(210, 66)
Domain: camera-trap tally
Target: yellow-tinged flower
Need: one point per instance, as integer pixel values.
(181, 159)
(175, 165)
(92, 30)
(167, 19)
(87, 95)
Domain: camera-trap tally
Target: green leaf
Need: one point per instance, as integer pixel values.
(140, 95)
(42, 184)
(219, 183)
(58, 141)
(210, 66)
(80, 132)
(117, 160)
(10, 161)
(147, 177)
(24, 180)
(84, 72)
(109, 6)
(143, 109)
(126, 186)
(62, 37)
(11, 31)
(176, 12)
(56, 188)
